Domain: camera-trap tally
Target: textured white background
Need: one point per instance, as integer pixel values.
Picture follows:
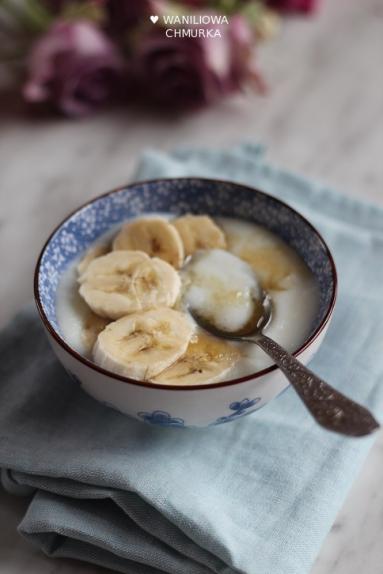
(323, 117)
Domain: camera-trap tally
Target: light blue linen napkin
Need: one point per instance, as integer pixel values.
(256, 496)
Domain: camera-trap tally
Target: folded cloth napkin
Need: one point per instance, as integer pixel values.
(256, 496)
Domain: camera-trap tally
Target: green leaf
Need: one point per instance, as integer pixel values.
(29, 15)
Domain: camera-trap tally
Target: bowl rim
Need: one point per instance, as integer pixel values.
(258, 374)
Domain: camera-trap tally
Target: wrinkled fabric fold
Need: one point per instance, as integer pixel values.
(256, 496)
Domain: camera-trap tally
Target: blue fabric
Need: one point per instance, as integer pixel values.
(255, 496)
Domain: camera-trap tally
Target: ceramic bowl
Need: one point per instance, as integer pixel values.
(198, 405)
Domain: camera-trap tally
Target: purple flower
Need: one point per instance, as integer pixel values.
(196, 3)
(188, 72)
(74, 67)
(307, 6)
(56, 6)
(125, 14)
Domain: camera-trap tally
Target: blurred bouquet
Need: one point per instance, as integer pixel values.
(74, 56)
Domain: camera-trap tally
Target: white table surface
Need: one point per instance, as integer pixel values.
(323, 118)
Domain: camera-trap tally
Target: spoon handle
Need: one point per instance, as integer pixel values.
(330, 408)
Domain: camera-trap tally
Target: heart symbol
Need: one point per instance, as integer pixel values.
(154, 19)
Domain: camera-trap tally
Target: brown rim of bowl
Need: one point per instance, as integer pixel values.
(208, 386)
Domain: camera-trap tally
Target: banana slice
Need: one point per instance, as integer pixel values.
(142, 345)
(199, 232)
(124, 282)
(93, 252)
(206, 360)
(155, 236)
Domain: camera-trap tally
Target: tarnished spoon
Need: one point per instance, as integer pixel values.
(330, 408)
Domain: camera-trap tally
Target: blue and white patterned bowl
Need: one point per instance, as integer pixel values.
(198, 405)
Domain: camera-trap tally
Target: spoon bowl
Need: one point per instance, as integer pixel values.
(259, 320)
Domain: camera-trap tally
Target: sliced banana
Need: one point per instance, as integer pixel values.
(124, 282)
(143, 344)
(93, 252)
(206, 360)
(199, 232)
(155, 236)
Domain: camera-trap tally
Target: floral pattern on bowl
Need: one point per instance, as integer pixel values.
(161, 418)
(238, 408)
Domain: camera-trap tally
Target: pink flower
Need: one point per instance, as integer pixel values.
(74, 67)
(188, 72)
(196, 3)
(56, 6)
(124, 14)
(306, 6)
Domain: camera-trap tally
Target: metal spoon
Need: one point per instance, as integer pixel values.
(330, 408)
